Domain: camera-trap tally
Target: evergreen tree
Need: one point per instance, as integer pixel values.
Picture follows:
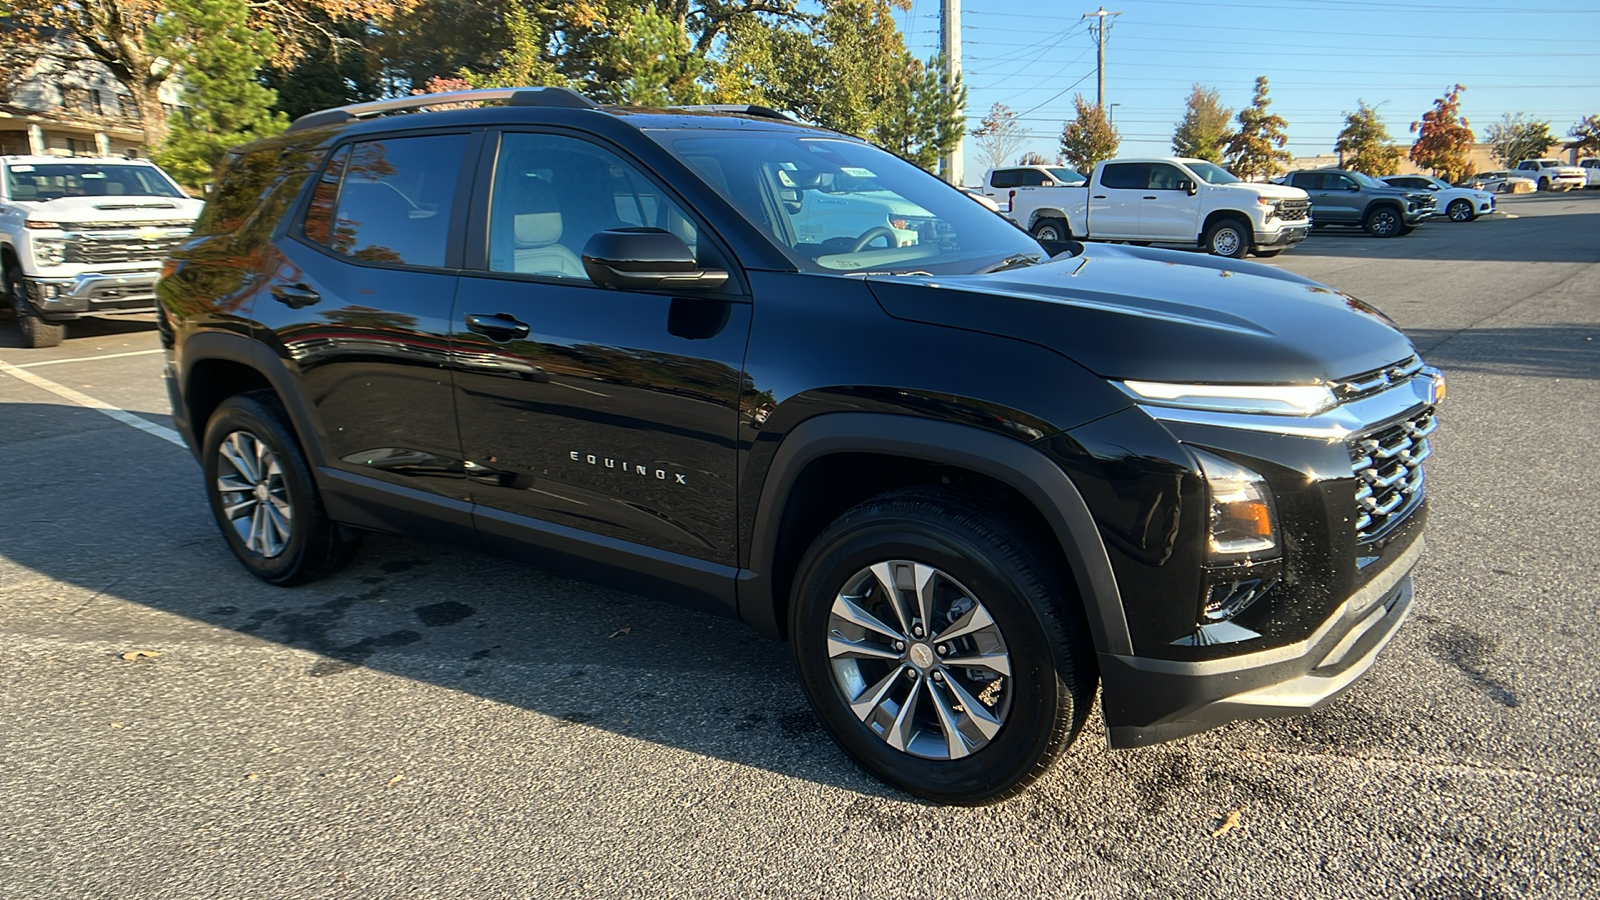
(1088, 138)
(1365, 145)
(333, 72)
(1203, 133)
(926, 118)
(1256, 150)
(1443, 139)
(225, 104)
(524, 61)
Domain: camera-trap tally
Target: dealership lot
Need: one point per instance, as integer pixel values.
(434, 723)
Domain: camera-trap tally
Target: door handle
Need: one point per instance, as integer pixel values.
(295, 296)
(1151, 197)
(1099, 196)
(498, 327)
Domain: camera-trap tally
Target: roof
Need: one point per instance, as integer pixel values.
(25, 160)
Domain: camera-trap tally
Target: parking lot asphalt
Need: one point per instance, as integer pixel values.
(431, 723)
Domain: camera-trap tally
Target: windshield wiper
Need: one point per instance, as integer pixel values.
(1014, 261)
(887, 272)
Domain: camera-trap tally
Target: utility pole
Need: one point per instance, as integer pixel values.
(950, 46)
(1098, 29)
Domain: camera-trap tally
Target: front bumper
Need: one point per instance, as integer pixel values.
(1287, 236)
(1168, 699)
(92, 293)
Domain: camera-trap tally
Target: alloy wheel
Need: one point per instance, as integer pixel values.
(254, 493)
(1460, 211)
(1385, 223)
(919, 660)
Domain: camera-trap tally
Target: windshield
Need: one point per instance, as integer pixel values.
(1212, 173)
(838, 205)
(1366, 180)
(1066, 175)
(52, 181)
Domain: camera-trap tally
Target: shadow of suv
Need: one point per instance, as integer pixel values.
(967, 483)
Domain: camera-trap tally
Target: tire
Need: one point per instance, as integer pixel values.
(1460, 210)
(36, 332)
(288, 538)
(1384, 222)
(1227, 237)
(1051, 229)
(976, 563)
(1544, 184)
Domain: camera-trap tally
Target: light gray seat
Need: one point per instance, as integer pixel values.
(536, 230)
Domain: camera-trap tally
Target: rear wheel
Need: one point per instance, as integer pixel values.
(1052, 229)
(932, 637)
(1460, 210)
(263, 496)
(36, 332)
(1544, 184)
(1229, 237)
(1384, 222)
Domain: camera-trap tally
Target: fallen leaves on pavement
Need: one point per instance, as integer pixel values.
(1229, 823)
(626, 629)
(141, 654)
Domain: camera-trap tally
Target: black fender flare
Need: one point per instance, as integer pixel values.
(1010, 461)
(224, 345)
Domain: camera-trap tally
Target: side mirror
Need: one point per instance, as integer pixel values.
(1189, 186)
(1352, 188)
(646, 259)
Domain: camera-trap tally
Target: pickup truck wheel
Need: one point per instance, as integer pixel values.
(931, 637)
(1052, 229)
(1460, 210)
(1229, 238)
(1544, 184)
(36, 332)
(263, 496)
(1384, 222)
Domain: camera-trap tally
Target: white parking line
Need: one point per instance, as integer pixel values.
(88, 402)
(57, 362)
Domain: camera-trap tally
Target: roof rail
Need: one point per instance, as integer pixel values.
(747, 109)
(516, 96)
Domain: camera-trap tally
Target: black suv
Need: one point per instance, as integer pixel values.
(771, 371)
(1341, 197)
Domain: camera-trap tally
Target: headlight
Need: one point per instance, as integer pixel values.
(1271, 399)
(49, 253)
(1243, 521)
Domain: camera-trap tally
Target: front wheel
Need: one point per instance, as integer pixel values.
(1460, 210)
(36, 332)
(1229, 238)
(1384, 222)
(933, 638)
(263, 496)
(1544, 184)
(1052, 230)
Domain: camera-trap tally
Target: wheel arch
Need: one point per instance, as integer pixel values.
(1048, 212)
(216, 365)
(1220, 214)
(800, 497)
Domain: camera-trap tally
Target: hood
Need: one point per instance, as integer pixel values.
(1264, 189)
(1162, 315)
(90, 210)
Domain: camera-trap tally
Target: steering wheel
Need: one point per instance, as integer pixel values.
(872, 234)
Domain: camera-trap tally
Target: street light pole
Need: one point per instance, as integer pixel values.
(1099, 29)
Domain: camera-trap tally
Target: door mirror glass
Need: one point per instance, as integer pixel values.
(644, 259)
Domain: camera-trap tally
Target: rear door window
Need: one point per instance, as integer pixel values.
(392, 202)
(1126, 176)
(1004, 178)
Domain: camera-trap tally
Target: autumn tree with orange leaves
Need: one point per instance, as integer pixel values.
(1443, 139)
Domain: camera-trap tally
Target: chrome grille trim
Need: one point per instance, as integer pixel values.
(1387, 463)
(1378, 379)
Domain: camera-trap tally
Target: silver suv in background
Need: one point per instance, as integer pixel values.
(84, 236)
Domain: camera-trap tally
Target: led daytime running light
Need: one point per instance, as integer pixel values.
(1272, 399)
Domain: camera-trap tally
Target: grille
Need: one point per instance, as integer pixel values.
(1368, 383)
(1388, 469)
(121, 248)
(1294, 210)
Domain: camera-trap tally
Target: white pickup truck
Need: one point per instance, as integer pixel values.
(1168, 201)
(1552, 174)
(83, 236)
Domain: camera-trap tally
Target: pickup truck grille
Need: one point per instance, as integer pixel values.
(1369, 383)
(1294, 210)
(1388, 469)
(119, 248)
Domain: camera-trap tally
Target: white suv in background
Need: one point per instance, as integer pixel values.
(1458, 204)
(1551, 174)
(1591, 171)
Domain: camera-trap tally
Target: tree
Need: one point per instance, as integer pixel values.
(1203, 133)
(333, 72)
(1517, 137)
(1586, 136)
(1443, 139)
(226, 105)
(1088, 138)
(1256, 149)
(1035, 159)
(117, 33)
(999, 135)
(925, 120)
(525, 61)
(1365, 145)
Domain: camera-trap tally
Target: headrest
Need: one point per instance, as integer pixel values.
(537, 229)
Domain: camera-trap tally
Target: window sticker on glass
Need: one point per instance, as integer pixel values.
(857, 172)
(22, 168)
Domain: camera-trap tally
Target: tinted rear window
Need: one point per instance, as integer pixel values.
(395, 200)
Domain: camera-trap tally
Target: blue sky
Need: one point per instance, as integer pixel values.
(1320, 56)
